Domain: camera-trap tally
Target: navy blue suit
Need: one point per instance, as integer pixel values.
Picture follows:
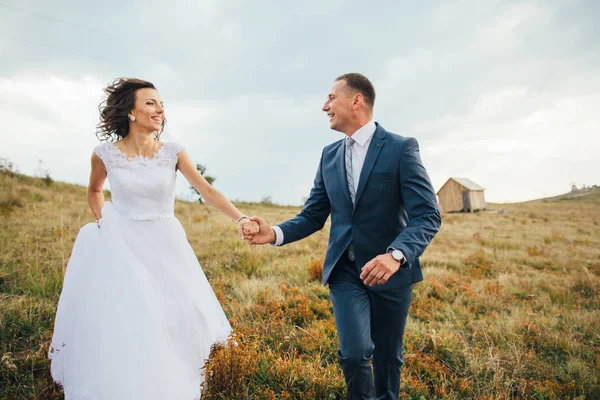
(395, 207)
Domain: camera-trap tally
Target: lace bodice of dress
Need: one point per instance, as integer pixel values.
(142, 188)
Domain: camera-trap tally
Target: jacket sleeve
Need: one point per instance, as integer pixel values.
(420, 203)
(315, 212)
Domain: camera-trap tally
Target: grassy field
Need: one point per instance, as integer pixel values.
(509, 308)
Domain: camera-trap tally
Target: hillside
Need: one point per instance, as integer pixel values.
(509, 308)
(591, 195)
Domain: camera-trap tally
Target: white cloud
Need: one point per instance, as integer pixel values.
(537, 154)
(256, 146)
(52, 119)
(507, 30)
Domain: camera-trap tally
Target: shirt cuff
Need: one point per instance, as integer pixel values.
(278, 236)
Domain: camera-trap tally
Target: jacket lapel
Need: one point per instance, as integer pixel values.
(341, 170)
(375, 147)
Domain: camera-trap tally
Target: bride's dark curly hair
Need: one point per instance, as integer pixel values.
(114, 110)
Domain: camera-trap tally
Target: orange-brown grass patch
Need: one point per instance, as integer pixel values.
(315, 269)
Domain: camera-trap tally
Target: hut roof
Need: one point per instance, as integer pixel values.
(469, 184)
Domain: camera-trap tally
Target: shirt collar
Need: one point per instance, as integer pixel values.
(362, 135)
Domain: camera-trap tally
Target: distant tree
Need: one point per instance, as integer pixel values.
(210, 179)
(44, 173)
(7, 167)
(268, 200)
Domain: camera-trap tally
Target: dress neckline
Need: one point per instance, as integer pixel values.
(137, 157)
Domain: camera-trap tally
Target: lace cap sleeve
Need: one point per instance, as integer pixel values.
(102, 152)
(168, 157)
(175, 148)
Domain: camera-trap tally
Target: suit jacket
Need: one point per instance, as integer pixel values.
(395, 206)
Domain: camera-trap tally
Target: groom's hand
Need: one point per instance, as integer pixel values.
(265, 234)
(378, 270)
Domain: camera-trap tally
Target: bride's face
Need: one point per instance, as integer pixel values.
(148, 111)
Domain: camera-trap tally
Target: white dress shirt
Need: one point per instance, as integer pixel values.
(362, 137)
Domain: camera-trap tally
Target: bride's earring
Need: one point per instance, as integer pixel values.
(132, 118)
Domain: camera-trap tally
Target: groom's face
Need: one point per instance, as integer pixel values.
(339, 106)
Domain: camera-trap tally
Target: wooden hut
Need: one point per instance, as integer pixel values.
(460, 194)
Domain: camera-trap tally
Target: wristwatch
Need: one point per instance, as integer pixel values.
(398, 256)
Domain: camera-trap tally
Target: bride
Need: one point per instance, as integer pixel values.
(137, 317)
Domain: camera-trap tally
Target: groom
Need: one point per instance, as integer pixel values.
(383, 215)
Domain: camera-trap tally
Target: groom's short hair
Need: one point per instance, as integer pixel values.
(361, 84)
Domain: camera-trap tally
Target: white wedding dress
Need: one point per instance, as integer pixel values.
(136, 317)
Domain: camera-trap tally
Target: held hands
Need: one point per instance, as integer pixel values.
(378, 270)
(247, 227)
(265, 234)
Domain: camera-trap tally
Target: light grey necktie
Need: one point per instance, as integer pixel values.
(349, 143)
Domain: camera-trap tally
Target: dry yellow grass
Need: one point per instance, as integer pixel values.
(509, 307)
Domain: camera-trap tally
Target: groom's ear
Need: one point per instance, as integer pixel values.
(358, 99)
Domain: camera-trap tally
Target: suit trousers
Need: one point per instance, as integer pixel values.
(370, 327)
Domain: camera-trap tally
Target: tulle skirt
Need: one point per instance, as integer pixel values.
(136, 317)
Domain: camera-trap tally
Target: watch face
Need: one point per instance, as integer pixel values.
(397, 254)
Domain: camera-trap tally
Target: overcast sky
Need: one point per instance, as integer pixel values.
(505, 93)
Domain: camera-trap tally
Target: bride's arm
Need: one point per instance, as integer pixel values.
(95, 195)
(208, 193)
